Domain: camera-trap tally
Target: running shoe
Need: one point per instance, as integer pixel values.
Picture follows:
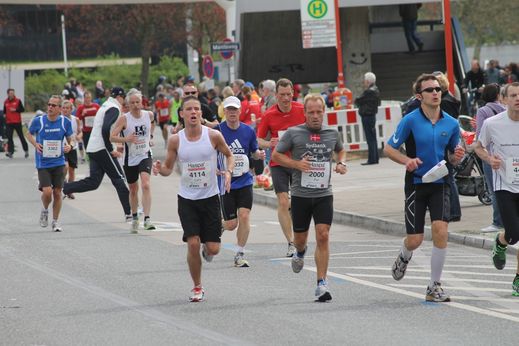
(197, 294)
(9, 155)
(44, 218)
(69, 196)
(26, 155)
(322, 292)
(298, 262)
(208, 258)
(499, 254)
(135, 226)
(515, 286)
(436, 294)
(399, 267)
(128, 218)
(56, 227)
(491, 228)
(291, 249)
(239, 261)
(148, 226)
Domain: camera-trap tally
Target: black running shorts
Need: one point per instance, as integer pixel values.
(303, 209)
(132, 172)
(508, 203)
(71, 158)
(234, 200)
(281, 178)
(201, 218)
(419, 198)
(53, 177)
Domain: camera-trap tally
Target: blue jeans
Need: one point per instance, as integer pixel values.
(496, 216)
(368, 123)
(411, 35)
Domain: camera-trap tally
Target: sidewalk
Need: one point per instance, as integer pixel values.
(373, 197)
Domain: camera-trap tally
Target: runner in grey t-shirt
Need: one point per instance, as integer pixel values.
(312, 146)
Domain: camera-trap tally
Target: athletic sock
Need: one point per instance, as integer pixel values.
(301, 254)
(146, 218)
(240, 248)
(320, 280)
(405, 253)
(500, 244)
(437, 261)
(134, 216)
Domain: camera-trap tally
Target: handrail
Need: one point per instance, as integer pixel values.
(430, 22)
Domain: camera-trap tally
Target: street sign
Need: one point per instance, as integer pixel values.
(208, 66)
(318, 23)
(226, 48)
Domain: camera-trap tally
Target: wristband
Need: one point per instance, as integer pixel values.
(342, 163)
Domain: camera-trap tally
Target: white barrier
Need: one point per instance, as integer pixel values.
(349, 125)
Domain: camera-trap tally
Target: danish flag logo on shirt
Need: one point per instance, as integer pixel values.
(315, 137)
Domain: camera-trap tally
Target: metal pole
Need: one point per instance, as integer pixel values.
(340, 68)
(447, 28)
(64, 39)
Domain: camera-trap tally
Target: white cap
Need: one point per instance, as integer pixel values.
(232, 101)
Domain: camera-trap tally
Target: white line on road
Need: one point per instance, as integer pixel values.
(457, 288)
(428, 278)
(423, 271)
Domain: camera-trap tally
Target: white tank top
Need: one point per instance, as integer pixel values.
(73, 121)
(197, 162)
(136, 152)
(96, 142)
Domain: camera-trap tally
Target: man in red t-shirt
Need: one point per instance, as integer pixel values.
(86, 114)
(13, 109)
(162, 107)
(286, 113)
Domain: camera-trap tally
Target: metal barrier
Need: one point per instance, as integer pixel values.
(349, 125)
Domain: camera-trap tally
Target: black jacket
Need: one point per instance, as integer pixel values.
(368, 101)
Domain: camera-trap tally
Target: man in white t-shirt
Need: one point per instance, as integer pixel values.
(500, 134)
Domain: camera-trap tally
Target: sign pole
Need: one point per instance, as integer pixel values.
(447, 24)
(340, 69)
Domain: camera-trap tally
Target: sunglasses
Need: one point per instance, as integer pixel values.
(52, 105)
(431, 89)
(190, 92)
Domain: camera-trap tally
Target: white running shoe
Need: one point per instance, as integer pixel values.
(240, 261)
(56, 227)
(135, 226)
(197, 294)
(491, 228)
(291, 249)
(44, 218)
(148, 225)
(322, 292)
(208, 258)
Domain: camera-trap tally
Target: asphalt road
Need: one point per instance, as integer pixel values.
(97, 284)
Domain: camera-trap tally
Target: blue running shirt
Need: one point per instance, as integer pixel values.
(51, 135)
(426, 141)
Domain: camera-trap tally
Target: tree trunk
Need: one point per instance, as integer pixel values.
(477, 50)
(200, 64)
(145, 69)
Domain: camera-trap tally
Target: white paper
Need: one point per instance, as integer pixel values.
(437, 172)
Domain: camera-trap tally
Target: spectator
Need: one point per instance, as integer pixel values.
(409, 14)
(226, 92)
(368, 103)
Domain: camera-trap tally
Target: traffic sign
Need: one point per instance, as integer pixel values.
(208, 66)
(318, 23)
(226, 48)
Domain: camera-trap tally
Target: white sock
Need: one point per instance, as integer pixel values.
(45, 210)
(240, 248)
(406, 254)
(437, 261)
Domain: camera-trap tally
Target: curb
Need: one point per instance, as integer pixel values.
(390, 227)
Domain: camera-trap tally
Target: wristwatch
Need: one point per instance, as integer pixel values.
(342, 163)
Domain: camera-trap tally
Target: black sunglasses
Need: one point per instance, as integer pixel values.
(52, 105)
(431, 89)
(190, 92)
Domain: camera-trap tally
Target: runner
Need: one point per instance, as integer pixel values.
(51, 135)
(500, 135)
(196, 148)
(86, 114)
(237, 204)
(71, 157)
(312, 147)
(428, 134)
(135, 130)
(13, 108)
(162, 107)
(276, 120)
(102, 155)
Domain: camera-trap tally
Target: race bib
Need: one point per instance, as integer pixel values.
(89, 121)
(318, 177)
(141, 147)
(52, 149)
(241, 165)
(164, 112)
(195, 175)
(512, 170)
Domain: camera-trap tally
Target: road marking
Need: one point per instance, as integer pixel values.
(422, 271)
(457, 288)
(428, 278)
(162, 226)
(359, 253)
(421, 295)
(506, 311)
(489, 299)
(272, 223)
(155, 314)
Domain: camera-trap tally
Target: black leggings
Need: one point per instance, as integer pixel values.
(508, 203)
(102, 162)
(10, 143)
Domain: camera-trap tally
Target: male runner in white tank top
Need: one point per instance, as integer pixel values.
(196, 148)
(135, 130)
